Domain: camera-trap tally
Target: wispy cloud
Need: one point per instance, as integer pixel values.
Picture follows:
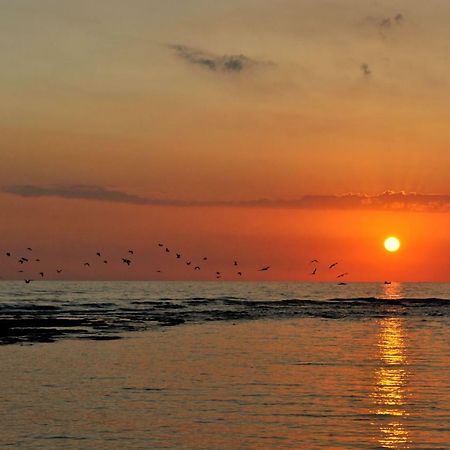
(389, 200)
(214, 62)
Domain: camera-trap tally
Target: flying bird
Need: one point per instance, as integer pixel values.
(131, 252)
(314, 271)
(105, 261)
(342, 275)
(235, 263)
(98, 254)
(205, 258)
(8, 254)
(37, 260)
(263, 269)
(58, 270)
(332, 265)
(126, 261)
(314, 261)
(87, 264)
(29, 249)
(217, 273)
(365, 69)
(167, 250)
(28, 281)
(197, 268)
(188, 263)
(160, 245)
(240, 274)
(178, 256)
(41, 274)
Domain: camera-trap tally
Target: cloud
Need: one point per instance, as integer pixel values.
(216, 63)
(389, 200)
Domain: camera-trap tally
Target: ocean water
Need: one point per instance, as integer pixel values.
(224, 365)
(47, 311)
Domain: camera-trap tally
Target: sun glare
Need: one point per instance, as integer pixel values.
(392, 244)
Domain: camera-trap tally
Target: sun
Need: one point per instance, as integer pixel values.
(392, 244)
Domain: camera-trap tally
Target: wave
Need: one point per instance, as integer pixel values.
(36, 321)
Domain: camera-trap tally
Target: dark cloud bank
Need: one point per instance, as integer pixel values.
(214, 62)
(392, 201)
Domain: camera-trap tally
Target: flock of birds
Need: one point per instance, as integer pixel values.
(128, 261)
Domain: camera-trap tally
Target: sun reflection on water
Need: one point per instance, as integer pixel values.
(389, 394)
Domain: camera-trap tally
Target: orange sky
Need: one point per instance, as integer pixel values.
(221, 104)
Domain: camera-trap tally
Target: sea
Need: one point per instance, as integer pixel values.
(224, 365)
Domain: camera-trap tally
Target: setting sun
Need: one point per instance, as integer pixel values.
(392, 244)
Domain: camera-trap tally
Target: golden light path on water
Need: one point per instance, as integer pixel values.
(389, 394)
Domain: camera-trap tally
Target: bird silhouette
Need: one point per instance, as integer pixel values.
(188, 263)
(29, 249)
(160, 245)
(314, 261)
(87, 264)
(240, 274)
(28, 281)
(158, 271)
(217, 273)
(8, 253)
(98, 254)
(131, 252)
(105, 262)
(58, 270)
(178, 256)
(235, 263)
(167, 250)
(41, 274)
(197, 268)
(205, 258)
(20, 271)
(126, 261)
(332, 265)
(37, 260)
(342, 275)
(314, 271)
(264, 269)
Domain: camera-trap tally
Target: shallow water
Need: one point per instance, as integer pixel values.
(48, 311)
(362, 373)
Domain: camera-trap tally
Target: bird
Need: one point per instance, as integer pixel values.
(87, 264)
(160, 245)
(314, 271)
(41, 274)
(314, 261)
(235, 263)
(98, 254)
(131, 252)
(105, 262)
(29, 249)
(27, 281)
(178, 256)
(197, 268)
(263, 269)
(37, 260)
(24, 259)
(158, 271)
(167, 250)
(342, 275)
(217, 273)
(58, 270)
(188, 263)
(218, 276)
(342, 284)
(240, 274)
(8, 253)
(332, 265)
(205, 258)
(126, 261)
(20, 271)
